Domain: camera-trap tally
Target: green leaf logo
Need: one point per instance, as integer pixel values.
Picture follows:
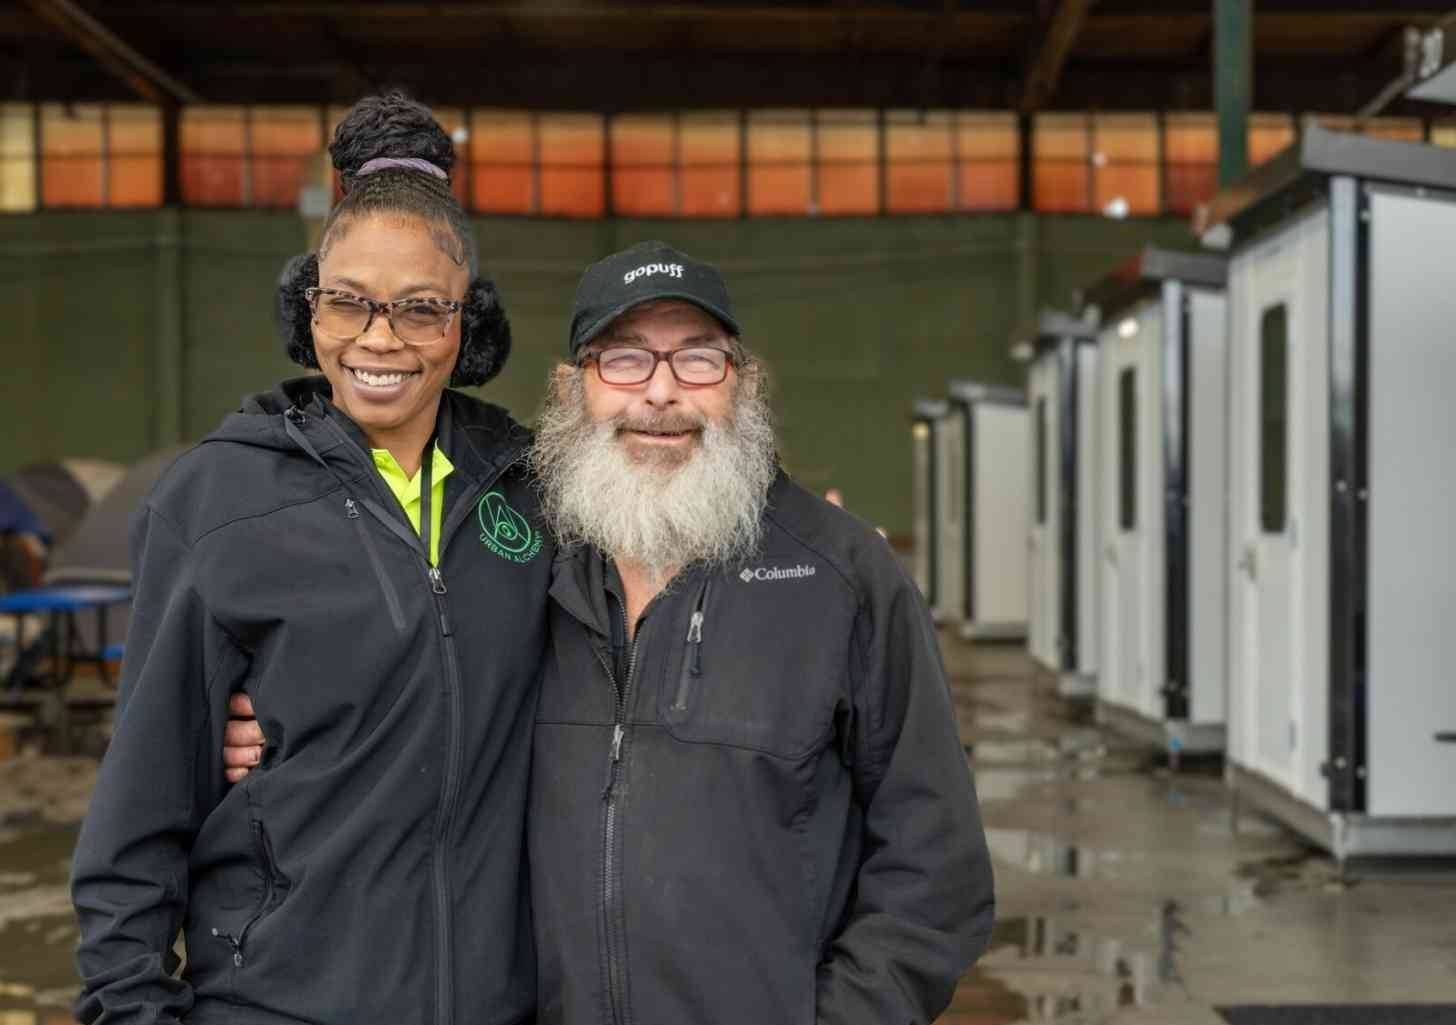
(505, 531)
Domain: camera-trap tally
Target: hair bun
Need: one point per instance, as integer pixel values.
(388, 125)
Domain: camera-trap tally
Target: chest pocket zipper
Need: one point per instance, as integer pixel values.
(692, 667)
(391, 599)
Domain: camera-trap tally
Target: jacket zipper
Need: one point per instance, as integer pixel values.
(693, 654)
(351, 509)
(611, 892)
(271, 877)
(450, 785)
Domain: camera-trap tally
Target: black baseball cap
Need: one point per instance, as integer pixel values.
(647, 271)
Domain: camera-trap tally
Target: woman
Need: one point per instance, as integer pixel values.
(317, 552)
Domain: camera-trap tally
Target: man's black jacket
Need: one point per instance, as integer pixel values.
(761, 812)
(372, 870)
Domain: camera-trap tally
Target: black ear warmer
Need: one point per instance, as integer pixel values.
(485, 331)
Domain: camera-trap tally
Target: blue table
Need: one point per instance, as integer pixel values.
(62, 603)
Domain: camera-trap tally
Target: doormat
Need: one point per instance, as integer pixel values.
(1341, 1014)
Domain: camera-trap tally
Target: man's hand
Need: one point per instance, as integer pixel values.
(243, 739)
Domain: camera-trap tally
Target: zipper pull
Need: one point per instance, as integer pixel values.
(231, 941)
(351, 509)
(437, 582)
(695, 638)
(617, 732)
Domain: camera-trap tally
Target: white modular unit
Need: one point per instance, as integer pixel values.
(993, 567)
(926, 420)
(1162, 394)
(1342, 575)
(1061, 390)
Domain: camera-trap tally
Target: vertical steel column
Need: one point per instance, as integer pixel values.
(1233, 84)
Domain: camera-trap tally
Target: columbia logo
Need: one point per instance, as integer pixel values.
(776, 573)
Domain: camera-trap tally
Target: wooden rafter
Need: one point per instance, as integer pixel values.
(145, 78)
(1051, 52)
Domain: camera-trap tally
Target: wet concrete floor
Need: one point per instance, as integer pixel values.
(1124, 896)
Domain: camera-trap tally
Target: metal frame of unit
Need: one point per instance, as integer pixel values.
(1162, 332)
(927, 419)
(992, 581)
(1341, 714)
(1062, 619)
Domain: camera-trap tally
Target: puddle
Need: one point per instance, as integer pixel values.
(37, 925)
(1066, 974)
(1043, 854)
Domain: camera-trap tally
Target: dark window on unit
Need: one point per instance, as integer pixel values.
(1273, 419)
(1041, 461)
(1127, 447)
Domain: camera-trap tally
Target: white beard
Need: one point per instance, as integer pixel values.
(658, 513)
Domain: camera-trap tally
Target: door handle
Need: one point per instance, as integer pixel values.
(1249, 562)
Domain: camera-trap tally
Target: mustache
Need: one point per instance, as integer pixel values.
(663, 423)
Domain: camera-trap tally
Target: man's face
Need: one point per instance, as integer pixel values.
(660, 473)
(662, 419)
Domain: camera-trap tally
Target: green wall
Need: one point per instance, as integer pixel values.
(126, 331)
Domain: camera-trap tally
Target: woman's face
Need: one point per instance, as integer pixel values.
(386, 386)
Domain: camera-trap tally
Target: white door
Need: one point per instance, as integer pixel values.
(950, 452)
(1129, 437)
(1045, 572)
(1001, 492)
(1411, 739)
(1278, 293)
(923, 511)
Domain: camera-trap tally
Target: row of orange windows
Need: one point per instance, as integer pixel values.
(699, 164)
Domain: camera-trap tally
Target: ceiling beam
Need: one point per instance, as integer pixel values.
(142, 76)
(1052, 51)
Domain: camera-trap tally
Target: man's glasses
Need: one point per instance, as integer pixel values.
(413, 321)
(623, 364)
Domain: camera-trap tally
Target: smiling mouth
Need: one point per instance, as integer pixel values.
(381, 379)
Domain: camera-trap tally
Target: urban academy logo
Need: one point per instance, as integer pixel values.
(775, 573)
(505, 531)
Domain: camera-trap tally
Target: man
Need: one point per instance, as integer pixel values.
(749, 801)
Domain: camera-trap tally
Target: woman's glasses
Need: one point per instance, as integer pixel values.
(413, 321)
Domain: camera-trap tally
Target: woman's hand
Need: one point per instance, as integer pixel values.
(243, 740)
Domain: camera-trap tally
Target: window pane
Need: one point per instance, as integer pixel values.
(988, 151)
(1060, 179)
(918, 150)
(1127, 461)
(212, 156)
(709, 147)
(282, 140)
(1444, 134)
(1403, 129)
(452, 119)
(778, 162)
(1125, 158)
(1190, 160)
(17, 157)
(501, 162)
(1273, 417)
(572, 151)
(643, 178)
(71, 155)
(134, 155)
(848, 164)
(1269, 135)
(1041, 461)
